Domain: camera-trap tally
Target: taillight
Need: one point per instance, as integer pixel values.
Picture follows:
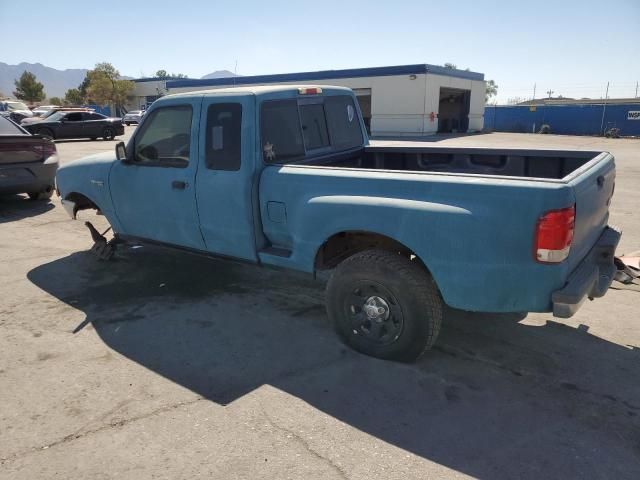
(554, 233)
(48, 149)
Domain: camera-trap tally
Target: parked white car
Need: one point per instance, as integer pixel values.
(42, 109)
(134, 116)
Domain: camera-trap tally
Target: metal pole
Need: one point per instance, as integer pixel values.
(604, 109)
(534, 91)
(636, 89)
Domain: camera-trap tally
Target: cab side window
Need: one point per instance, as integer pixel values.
(165, 139)
(74, 117)
(224, 136)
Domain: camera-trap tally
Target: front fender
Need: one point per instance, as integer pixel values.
(89, 177)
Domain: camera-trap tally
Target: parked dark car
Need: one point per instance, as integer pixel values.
(31, 120)
(78, 125)
(28, 163)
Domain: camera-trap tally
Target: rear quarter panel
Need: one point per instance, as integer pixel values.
(474, 234)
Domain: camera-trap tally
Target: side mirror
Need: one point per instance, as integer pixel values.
(121, 152)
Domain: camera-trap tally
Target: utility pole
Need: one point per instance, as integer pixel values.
(636, 89)
(549, 92)
(604, 109)
(534, 91)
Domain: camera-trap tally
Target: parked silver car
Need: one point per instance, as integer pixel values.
(15, 110)
(134, 116)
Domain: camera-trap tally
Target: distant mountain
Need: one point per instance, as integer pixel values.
(219, 74)
(56, 82)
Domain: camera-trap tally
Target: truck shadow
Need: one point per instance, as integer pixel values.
(17, 207)
(496, 398)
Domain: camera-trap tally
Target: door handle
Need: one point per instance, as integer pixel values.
(179, 184)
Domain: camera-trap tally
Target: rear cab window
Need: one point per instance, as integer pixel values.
(223, 139)
(294, 129)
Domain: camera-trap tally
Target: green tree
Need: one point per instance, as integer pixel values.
(105, 85)
(29, 88)
(491, 90)
(82, 88)
(73, 97)
(452, 66)
(55, 101)
(163, 75)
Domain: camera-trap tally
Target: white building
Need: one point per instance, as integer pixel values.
(406, 100)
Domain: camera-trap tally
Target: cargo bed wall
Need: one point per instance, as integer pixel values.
(515, 163)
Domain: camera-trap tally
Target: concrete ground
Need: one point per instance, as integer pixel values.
(165, 365)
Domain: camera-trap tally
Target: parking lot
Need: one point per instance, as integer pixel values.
(160, 364)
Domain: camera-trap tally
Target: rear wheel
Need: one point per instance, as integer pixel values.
(46, 132)
(46, 195)
(108, 133)
(384, 305)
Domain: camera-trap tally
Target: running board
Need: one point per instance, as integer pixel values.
(276, 252)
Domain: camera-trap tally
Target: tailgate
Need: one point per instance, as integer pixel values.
(593, 186)
(20, 149)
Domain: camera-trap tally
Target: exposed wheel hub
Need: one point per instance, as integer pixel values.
(375, 313)
(376, 309)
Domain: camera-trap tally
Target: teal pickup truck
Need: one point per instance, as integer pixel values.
(285, 176)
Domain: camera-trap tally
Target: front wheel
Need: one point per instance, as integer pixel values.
(384, 305)
(46, 132)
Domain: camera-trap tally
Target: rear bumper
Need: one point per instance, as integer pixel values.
(592, 277)
(28, 177)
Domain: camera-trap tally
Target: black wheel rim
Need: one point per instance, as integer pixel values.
(374, 313)
(108, 133)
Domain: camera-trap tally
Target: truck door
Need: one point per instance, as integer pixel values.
(154, 192)
(225, 180)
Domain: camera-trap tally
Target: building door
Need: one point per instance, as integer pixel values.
(453, 110)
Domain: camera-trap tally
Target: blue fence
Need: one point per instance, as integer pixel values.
(105, 110)
(563, 119)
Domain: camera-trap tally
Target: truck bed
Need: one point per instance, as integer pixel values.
(524, 163)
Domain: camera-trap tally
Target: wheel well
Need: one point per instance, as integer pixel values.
(345, 244)
(82, 202)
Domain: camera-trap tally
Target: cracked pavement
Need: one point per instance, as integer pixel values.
(165, 365)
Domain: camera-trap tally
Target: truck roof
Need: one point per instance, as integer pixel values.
(254, 90)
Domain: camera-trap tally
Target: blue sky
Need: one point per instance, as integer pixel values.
(570, 47)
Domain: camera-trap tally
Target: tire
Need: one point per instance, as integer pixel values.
(128, 123)
(94, 138)
(46, 195)
(407, 306)
(108, 133)
(46, 132)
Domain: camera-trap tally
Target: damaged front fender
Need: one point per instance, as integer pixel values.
(71, 208)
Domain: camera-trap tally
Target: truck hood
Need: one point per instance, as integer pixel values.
(83, 175)
(95, 159)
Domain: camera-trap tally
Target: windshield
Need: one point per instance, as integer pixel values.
(17, 106)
